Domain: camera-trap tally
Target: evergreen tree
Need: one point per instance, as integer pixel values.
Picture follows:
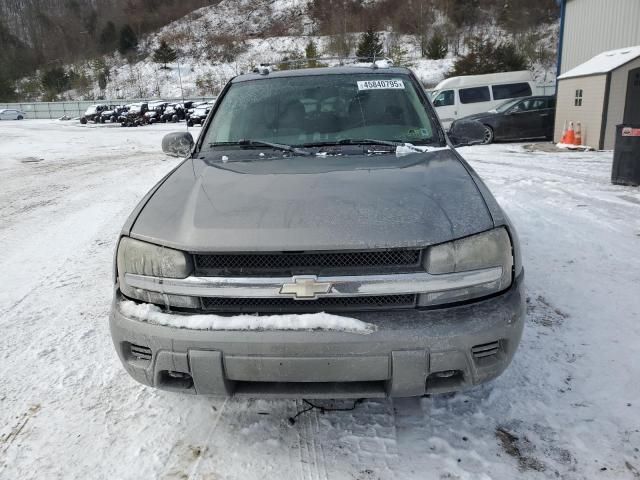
(164, 54)
(55, 81)
(370, 46)
(485, 56)
(436, 47)
(128, 40)
(311, 52)
(7, 89)
(108, 38)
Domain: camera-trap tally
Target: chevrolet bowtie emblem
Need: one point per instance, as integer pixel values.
(305, 288)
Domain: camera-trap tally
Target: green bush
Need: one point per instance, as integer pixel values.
(436, 47)
(486, 56)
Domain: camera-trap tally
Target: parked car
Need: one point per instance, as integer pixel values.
(156, 109)
(199, 114)
(113, 114)
(190, 107)
(174, 112)
(134, 116)
(93, 113)
(11, 114)
(458, 97)
(319, 190)
(520, 119)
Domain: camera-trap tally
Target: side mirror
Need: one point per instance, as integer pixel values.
(177, 144)
(467, 132)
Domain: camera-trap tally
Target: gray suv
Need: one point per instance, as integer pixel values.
(328, 190)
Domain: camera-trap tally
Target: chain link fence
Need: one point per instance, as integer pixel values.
(53, 110)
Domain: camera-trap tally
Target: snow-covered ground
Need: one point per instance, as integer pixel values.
(568, 407)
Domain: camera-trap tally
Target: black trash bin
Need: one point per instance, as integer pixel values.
(626, 156)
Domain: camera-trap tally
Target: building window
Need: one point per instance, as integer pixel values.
(578, 100)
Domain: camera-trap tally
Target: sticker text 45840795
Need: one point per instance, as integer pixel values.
(381, 85)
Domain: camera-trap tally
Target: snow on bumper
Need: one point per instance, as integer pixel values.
(401, 353)
(318, 321)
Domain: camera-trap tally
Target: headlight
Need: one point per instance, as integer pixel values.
(141, 258)
(483, 251)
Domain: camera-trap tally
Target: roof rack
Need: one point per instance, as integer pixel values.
(365, 62)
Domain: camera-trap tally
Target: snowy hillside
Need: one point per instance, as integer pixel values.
(217, 42)
(202, 37)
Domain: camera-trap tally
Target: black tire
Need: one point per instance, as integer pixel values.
(20, 117)
(488, 135)
(83, 120)
(190, 123)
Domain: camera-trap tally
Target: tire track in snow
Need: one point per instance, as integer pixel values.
(304, 445)
(194, 470)
(318, 452)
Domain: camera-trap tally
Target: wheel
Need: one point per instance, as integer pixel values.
(190, 123)
(488, 135)
(83, 120)
(20, 117)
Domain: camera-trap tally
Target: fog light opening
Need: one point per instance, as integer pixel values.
(445, 381)
(446, 374)
(174, 380)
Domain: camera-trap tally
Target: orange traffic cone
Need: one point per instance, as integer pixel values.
(571, 135)
(564, 133)
(578, 136)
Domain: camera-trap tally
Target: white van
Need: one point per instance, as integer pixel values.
(457, 97)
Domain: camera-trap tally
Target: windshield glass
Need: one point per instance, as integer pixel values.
(322, 109)
(503, 107)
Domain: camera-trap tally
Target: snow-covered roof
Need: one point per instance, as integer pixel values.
(486, 79)
(603, 63)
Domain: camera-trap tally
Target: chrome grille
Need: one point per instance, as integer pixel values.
(292, 263)
(289, 305)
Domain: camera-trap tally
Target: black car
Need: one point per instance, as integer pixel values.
(173, 113)
(519, 119)
(199, 114)
(112, 114)
(93, 113)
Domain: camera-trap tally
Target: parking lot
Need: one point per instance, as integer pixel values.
(568, 407)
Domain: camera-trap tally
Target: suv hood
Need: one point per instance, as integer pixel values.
(314, 203)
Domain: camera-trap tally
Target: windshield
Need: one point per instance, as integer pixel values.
(503, 107)
(329, 108)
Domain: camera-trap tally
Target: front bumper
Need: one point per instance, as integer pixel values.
(413, 352)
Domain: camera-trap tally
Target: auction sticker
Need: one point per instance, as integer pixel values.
(381, 85)
(630, 132)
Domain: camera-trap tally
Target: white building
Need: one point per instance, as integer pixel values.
(590, 27)
(599, 67)
(600, 94)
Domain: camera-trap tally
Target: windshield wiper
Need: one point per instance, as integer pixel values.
(350, 141)
(260, 143)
